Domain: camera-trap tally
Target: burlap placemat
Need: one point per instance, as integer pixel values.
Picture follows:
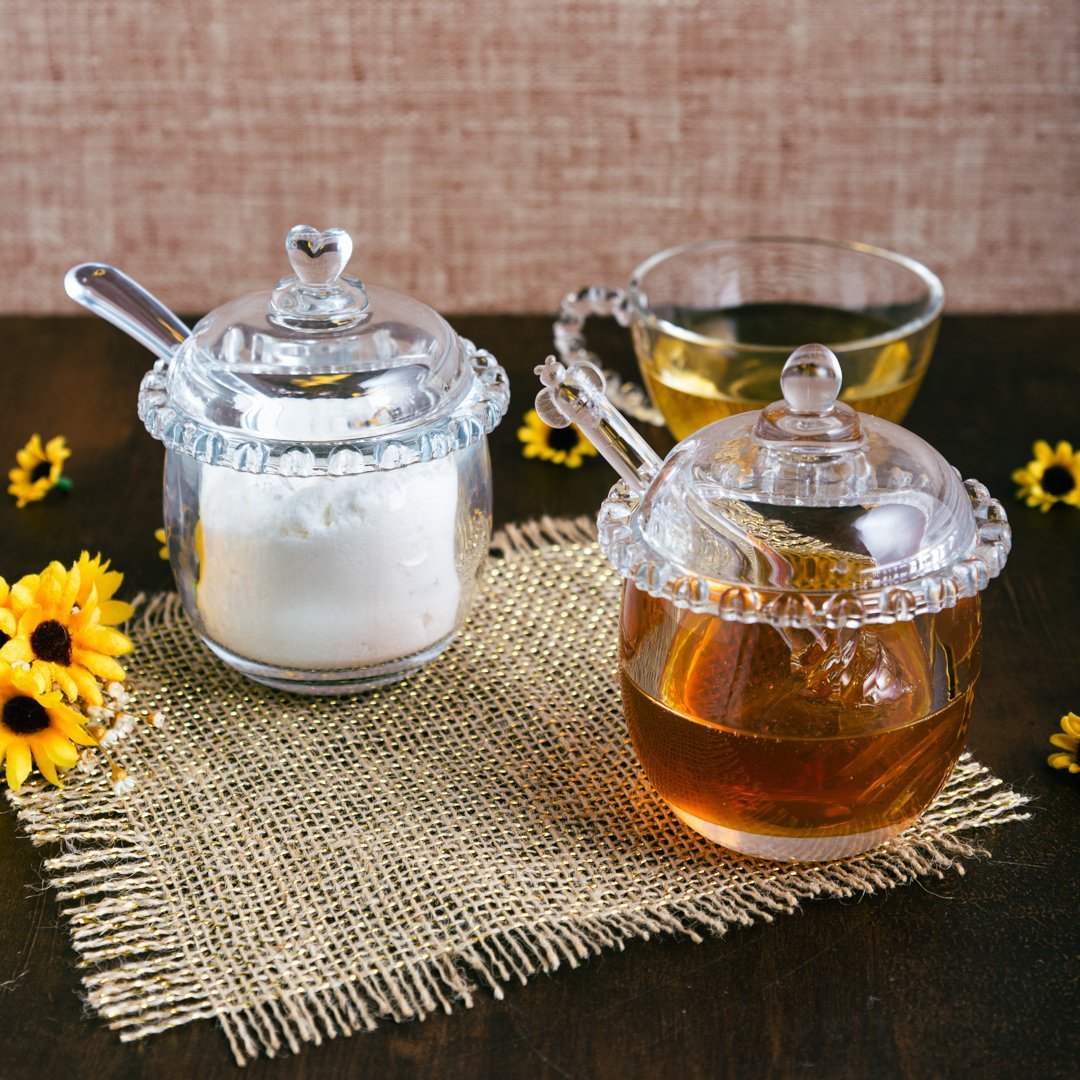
(300, 868)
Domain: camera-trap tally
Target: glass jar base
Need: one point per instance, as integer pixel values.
(789, 848)
(329, 682)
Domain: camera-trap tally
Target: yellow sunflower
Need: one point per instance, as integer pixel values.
(561, 446)
(40, 470)
(35, 723)
(1053, 476)
(94, 574)
(1069, 741)
(66, 643)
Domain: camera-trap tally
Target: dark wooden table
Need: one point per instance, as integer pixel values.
(973, 975)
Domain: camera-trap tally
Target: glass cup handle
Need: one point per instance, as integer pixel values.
(569, 338)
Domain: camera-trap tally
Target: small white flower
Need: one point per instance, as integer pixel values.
(122, 783)
(125, 723)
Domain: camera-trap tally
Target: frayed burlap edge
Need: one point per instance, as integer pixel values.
(139, 980)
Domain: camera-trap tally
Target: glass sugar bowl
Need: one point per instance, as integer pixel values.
(327, 480)
(800, 627)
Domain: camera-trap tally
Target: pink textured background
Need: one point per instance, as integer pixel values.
(493, 155)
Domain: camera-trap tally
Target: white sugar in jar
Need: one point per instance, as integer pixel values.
(330, 572)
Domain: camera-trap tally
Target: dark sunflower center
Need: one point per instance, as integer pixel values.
(52, 642)
(40, 471)
(24, 716)
(4, 639)
(563, 438)
(1058, 481)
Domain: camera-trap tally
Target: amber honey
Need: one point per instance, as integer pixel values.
(797, 744)
(713, 371)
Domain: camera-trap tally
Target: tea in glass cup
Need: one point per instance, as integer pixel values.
(713, 322)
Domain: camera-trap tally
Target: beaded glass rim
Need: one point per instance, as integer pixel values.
(475, 416)
(639, 564)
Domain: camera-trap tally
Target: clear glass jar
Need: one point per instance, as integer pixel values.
(327, 481)
(799, 638)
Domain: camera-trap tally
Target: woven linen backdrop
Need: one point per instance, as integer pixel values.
(490, 155)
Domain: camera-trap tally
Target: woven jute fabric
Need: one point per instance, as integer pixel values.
(301, 868)
(492, 155)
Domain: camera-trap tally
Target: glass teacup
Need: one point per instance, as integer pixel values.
(713, 322)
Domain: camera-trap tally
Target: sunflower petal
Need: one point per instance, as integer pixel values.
(86, 685)
(104, 667)
(70, 595)
(1066, 742)
(96, 572)
(18, 763)
(16, 650)
(23, 592)
(64, 678)
(1070, 724)
(69, 724)
(50, 590)
(34, 682)
(85, 619)
(56, 447)
(1061, 761)
(114, 612)
(60, 750)
(104, 640)
(31, 454)
(42, 759)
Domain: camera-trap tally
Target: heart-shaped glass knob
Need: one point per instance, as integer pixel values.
(318, 296)
(318, 258)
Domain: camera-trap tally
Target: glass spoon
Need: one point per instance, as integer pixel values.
(117, 299)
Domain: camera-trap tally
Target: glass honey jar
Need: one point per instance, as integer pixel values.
(800, 624)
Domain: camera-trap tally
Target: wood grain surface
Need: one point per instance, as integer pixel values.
(969, 976)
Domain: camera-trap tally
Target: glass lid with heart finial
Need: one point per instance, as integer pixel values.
(323, 373)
